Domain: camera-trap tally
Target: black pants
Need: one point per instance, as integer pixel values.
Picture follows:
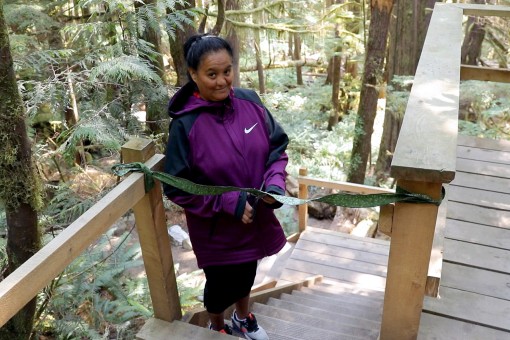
(227, 284)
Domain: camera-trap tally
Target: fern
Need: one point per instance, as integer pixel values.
(123, 69)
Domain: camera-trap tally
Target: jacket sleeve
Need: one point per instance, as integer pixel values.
(274, 177)
(177, 164)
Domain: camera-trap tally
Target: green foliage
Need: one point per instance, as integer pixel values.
(65, 206)
(190, 286)
(303, 113)
(287, 217)
(96, 295)
(485, 109)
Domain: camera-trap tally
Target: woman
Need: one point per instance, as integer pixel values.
(225, 136)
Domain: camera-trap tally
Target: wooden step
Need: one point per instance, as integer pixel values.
(337, 287)
(275, 327)
(315, 321)
(344, 308)
(325, 314)
(355, 298)
(155, 329)
(355, 304)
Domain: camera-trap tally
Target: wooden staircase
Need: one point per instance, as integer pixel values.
(321, 308)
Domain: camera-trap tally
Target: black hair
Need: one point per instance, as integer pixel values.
(197, 46)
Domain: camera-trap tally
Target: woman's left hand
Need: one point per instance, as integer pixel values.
(268, 199)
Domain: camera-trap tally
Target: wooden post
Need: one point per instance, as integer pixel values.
(303, 208)
(154, 240)
(411, 243)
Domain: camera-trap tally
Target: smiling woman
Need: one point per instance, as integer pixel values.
(225, 136)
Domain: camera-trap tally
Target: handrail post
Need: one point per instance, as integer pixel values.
(412, 235)
(154, 240)
(303, 208)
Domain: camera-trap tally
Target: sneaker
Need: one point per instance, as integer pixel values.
(249, 327)
(226, 329)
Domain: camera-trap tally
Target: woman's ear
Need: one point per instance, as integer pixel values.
(193, 74)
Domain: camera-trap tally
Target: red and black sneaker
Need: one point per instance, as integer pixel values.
(225, 330)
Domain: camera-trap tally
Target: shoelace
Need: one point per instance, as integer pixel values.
(251, 322)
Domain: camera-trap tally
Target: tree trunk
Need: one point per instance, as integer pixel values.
(21, 194)
(335, 80)
(258, 57)
(407, 33)
(372, 79)
(297, 56)
(233, 39)
(473, 39)
(176, 44)
(220, 19)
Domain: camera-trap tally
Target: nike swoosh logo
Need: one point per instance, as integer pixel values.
(247, 131)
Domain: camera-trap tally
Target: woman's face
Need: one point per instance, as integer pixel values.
(214, 76)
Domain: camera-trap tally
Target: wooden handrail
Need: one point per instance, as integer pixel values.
(31, 277)
(306, 181)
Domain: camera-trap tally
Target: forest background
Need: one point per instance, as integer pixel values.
(79, 78)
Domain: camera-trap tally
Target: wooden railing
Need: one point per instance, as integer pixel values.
(25, 282)
(424, 160)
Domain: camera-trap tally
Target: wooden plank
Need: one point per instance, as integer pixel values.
(155, 329)
(313, 258)
(484, 143)
(478, 215)
(411, 245)
(484, 168)
(155, 242)
(439, 327)
(468, 72)
(427, 143)
(346, 242)
(489, 199)
(476, 255)
(365, 280)
(485, 155)
(436, 255)
(303, 208)
(479, 234)
(343, 186)
(484, 10)
(341, 252)
(470, 307)
(353, 238)
(25, 282)
(489, 183)
(475, 280)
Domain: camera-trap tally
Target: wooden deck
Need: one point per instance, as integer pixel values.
(474, 294)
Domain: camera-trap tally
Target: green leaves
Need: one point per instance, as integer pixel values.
(124, 69)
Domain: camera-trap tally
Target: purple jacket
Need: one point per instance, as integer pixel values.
(234, 142)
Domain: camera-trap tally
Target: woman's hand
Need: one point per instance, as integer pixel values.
(268, 199)
(248, 214)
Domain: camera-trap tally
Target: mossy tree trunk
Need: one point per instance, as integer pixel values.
(380, 12)
(20, 194)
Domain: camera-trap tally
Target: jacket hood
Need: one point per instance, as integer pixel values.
(185, 101)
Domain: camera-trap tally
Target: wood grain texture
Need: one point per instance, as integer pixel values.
(426, 147)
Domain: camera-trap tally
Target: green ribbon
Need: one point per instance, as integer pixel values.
(339, 199)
